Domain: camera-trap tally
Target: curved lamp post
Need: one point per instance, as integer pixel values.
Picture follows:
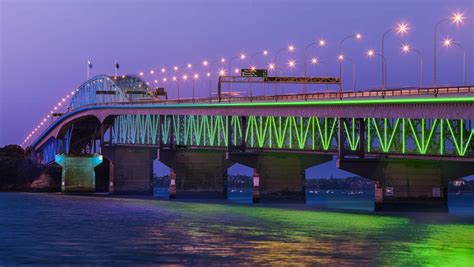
(205, 63)
(241, 57)
(372, 53)
(290, 48)
(195, 77)
(406, 48)
(448, 43)
(456, 18)
(321, 43)
(342, 58)
(401, 29)
(356, 36)
(264, 53)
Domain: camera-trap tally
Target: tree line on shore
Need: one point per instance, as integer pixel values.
(19, 171)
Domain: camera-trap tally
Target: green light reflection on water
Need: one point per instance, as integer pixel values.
(296, 235)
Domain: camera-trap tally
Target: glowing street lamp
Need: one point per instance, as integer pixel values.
(175, 79)
(290, 48)
(449, 43)
(321, 43)
(206, 63)
(195, 77)
(400, 29)
(263, 52)
(342, 58)
(253, 67)
(291, 64)
(406, 48)
(371, 53)
(241, 56)
(456, 18)
(357, 36)
(183, 77)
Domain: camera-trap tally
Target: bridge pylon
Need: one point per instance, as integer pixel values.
(278, 176)
(408, 184)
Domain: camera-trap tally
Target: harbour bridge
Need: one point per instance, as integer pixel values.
(412, 142)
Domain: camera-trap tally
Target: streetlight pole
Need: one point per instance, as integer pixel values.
(401, 28)
(421, 65)
(164, 85)
(435, 66)
(222, 60)
(195, 76)
(176, 70)
(372, 53)
(383, 56)
(242, 57)
(315, 61)
(448, 43)
(357, 36)
(341, 59)
(290, 48)
(321, 44)
(456, 18)
(263, 52)
(176, 79)
(406, 49)
(185, 77)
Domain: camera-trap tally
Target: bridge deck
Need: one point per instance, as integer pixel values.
(331, 95)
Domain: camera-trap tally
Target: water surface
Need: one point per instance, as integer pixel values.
(47, 229)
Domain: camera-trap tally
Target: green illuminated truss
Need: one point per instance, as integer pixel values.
(323, 134)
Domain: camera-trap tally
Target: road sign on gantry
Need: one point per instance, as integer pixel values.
(253, 73)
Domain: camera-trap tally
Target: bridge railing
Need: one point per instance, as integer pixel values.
(398, 92)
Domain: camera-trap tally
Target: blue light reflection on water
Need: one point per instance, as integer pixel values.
(343, 199)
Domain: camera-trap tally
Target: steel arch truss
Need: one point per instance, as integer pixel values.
(99, 89)
(405, 136)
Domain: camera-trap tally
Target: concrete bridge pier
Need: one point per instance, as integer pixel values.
(78, 174)
(278, 176)
(197, 173)
(131, 169)
(409, 184)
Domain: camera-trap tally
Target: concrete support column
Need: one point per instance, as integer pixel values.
(78, 174)
(132, 169)
(199, 173)
(172, 184)
(279, 176)
(255, 187)
(111, 177)
(409, 184)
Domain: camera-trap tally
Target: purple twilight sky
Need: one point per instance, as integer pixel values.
(45, 44)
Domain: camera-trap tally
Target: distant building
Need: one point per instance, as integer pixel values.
(459, 182)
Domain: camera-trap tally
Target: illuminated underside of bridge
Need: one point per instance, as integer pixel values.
(412, 141)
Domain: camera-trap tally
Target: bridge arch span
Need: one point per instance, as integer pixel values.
(99, 89)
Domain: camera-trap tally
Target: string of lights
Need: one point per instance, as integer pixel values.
(188, 71)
